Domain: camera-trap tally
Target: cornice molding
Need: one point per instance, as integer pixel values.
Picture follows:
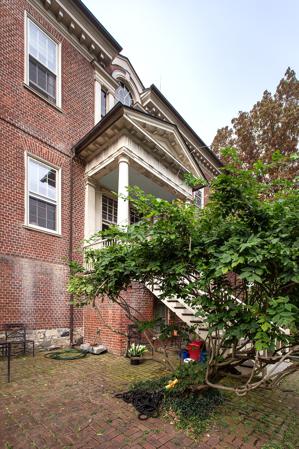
(87, 41)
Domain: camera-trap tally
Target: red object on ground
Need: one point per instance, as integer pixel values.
(194, 350)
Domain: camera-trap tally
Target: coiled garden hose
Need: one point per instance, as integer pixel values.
(146, 403)
(66, 354)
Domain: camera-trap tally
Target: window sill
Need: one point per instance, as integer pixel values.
(44, 231)
(42, 98)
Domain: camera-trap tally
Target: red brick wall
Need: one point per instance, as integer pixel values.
(33, 264)
(61, 129)
(96, 332)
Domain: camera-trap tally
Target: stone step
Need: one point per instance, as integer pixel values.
(180, 307)
(171, 300)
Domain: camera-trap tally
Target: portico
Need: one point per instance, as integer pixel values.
(131, 149)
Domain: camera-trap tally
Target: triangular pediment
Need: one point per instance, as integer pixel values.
(166, 136)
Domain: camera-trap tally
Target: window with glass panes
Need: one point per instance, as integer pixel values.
(42, 195)
(109, 211)
(42, 62)
(103, 103)
(134, 216)
(123, 95)
(199, 198)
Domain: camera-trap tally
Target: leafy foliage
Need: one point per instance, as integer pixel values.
(236, 261)
(192, 412)
(271, 125)
(189, 410)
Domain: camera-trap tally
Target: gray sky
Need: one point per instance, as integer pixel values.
(211, 58)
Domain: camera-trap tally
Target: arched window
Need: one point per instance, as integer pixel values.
(123, 95)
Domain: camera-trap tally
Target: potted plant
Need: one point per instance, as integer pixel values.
(135, 352)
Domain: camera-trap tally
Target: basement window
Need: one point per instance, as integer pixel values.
(42, 63)
(42, 202)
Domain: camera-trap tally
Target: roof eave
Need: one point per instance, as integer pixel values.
(111, 117)
(98, 25)
(154, 89)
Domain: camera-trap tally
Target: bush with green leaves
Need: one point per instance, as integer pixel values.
(236, 261)
(190, 410)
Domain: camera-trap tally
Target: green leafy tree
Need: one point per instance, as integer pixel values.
(272, 124)
(236, 261)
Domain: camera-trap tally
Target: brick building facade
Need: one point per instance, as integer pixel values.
(76, 124)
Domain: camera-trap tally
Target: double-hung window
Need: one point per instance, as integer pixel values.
(42, 196)
(109, 212)
(42, 70)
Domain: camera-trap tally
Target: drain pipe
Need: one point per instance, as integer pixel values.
(71, 249)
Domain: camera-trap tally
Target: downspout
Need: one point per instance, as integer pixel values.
(71, 250)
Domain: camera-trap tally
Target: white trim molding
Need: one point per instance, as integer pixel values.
(58, 97)
(57, 202)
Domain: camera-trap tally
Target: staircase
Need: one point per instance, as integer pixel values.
(182, 310)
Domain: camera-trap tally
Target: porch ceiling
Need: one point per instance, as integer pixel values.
(110, 182)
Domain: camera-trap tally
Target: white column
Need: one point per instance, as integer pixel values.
(110, 101)
(123, 184)
(90, 209)
(98, 211)
(97, 102)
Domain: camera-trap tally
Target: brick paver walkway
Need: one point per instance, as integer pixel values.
(70, 405)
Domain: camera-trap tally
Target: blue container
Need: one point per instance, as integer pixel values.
(203, 356)
(184, 354)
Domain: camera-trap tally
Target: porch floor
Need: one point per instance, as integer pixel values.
(54, 404)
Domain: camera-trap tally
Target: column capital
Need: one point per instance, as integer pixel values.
(90, 182)
(124, 158)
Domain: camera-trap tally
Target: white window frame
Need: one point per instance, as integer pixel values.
(41, 161)
(202, 190)
(27, 20)
(103, 221)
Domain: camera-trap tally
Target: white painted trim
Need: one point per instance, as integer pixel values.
(202, 199)
(123, 62)
(102, 80)
(51, 20)
(28, 156)
(125, 151)
(99, 41)
(27, 18)
(100, 84)
(163, 148)
(97, 101)
(171, 129)
(144, 95)
(101, 45)
(126, 80)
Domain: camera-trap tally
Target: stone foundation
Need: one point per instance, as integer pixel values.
(44, 338)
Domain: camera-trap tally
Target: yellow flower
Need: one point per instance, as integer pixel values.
(171, 384)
